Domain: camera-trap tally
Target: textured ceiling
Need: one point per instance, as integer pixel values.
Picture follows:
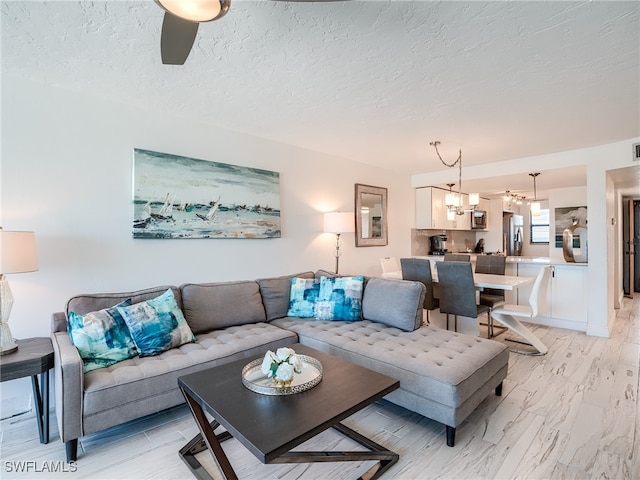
(372, 81)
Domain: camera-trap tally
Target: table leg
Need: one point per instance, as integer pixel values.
(42, 407)
(211, 441)
(45, 392)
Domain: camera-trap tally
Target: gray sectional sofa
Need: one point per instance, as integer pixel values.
(443, 375)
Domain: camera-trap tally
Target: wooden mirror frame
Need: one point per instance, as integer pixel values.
(377, 240)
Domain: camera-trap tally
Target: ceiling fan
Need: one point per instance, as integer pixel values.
(181, 21)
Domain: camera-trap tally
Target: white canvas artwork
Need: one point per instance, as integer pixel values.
(182, 197)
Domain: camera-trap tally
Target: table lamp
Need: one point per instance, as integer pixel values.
(17, 255)
(339, 222)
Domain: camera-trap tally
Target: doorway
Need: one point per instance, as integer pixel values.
(631, 247)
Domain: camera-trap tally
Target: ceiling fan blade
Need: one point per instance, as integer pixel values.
(176, 39)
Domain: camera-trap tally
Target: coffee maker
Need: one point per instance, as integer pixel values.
(437, 245)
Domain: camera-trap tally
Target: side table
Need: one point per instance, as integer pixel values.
(34, 356)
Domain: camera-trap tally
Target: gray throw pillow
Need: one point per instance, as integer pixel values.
(276, 293)
(397, 303)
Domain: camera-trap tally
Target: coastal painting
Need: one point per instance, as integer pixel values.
(565, 216)
(182, 197)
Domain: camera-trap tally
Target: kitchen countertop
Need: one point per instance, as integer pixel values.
(517, 259)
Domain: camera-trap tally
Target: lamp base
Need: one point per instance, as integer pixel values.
(7, 343)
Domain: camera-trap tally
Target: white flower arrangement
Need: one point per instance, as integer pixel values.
(281, 366)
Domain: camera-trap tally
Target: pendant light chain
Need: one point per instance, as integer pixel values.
(458, 162)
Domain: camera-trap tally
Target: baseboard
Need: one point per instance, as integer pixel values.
(558, 323)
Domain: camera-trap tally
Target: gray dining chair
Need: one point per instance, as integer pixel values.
(457, 291)
(491, 297)
(456, 257)
(419, 270)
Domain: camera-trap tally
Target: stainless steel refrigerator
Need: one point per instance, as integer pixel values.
(512, 234)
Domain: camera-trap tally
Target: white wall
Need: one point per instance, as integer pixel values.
(67, 175)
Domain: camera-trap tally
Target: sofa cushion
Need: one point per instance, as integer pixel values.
(157, 324)
(304, 294)
(432, 363)
(117, 389)
(397, 303)
(85, 303)
(275, 293)
(209, 306)
(340, 298)
(102, 338)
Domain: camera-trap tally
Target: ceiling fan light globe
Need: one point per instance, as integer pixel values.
(196, 10)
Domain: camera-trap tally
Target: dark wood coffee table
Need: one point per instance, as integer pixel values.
(270, 426)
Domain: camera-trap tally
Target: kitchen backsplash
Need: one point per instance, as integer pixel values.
(457, 240)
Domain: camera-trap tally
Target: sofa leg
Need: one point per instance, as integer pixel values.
(499, 390)
(451, 436)
(72, 450)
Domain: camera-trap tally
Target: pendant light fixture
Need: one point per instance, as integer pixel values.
(535, 205)
(453, 201)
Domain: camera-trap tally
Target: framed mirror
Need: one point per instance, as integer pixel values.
(371, 216)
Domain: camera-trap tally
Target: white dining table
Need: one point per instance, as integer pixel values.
(489, 280)
(501, 282)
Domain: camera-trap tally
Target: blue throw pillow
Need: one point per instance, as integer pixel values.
(340, 298)
(102, 338)
(302, 300)
(157, 324)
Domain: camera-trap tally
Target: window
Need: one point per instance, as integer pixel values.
(540, 227)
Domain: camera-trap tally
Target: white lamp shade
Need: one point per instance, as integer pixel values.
(195, 10)
(17, 252)
(535, 209)
(339, 222)
(474, 199)
(450, 200)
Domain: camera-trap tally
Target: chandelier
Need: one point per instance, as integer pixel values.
(453, 200)
(513, 198)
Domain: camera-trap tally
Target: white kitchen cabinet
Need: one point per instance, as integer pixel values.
(462, 222)
(566, 302)
(431, 212)
(569, 293)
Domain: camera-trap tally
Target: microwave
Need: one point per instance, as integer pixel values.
(478, 220)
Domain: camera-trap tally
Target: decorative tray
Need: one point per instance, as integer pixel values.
(255, 380)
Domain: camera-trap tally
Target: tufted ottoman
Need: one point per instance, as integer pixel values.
(443, 375)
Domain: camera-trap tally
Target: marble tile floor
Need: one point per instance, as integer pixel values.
(571, 414)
